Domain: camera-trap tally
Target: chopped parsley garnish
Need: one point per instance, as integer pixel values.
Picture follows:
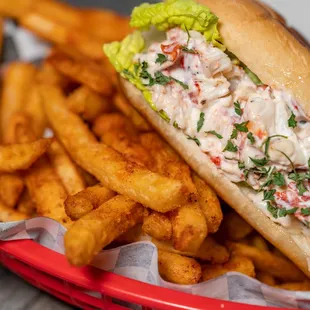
(267, 142)
(241, 164)
(309, 163)
(180, 82)
(188, 50)
(269, 195)
(136, 68)
(230, 147)
(175, 125)
(251, 137)
(144, 74)
(284, 212)
(278, 179)
(127, 72)
(213, 132)
(242, 127)
(201, 121)
(234, 134)
(188, 35)
(194, 139)
(305, 211)
(292, 121)
(161, 79)
(161, 58)
(301, 188)
(238, 109)
(273, 210)
(259, 162)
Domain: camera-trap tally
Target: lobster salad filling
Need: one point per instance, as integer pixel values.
(258, 136)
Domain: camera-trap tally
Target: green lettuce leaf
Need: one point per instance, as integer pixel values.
(186, 14)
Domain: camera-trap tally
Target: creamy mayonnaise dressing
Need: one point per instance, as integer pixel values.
(255, 134)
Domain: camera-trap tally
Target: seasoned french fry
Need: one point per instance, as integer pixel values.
(8, 214)
(1, 35)
(178, 269)
(11, 187)
(209, 203)
(132, 235)
(157, 225)
(17, 81)
(128, 145)
(295, 286)
(189, 227)
(21, 156)
(95, 230)
(236, 263)
(260, 243)
(84, 71)
(61, 34)
(266, 278)
(25, 204)
(87, 200)
(87, 103)
(89, 179)
(235, 227)
(278, 267)
(129, 111)
(15, 8)
(65, 168)
(108, 166)
(112, 122)
(209, 250)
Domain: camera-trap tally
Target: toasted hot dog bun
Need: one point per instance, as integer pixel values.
(260, 40)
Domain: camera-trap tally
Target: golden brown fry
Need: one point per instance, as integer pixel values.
(129, 111)
(178, 269)
(112, 122)
(84, 71)
(132, 235)
(278, 267)
(21, 156)
(158, 226)
(209, 203)
(128, 145)
(1, 35)
(236, 263)
(25, 204)
(17, 82)
(87, 103)
(260, 243)
(97, 229)
(266, 278)
(61, 34)
(295, 286)
(15, 8)
(11, 187)
(87, 200)
(89, 179)
(65, 168)
(209, 250)
(8, 214)
(189, 227)
(235, 227)
(108, 166)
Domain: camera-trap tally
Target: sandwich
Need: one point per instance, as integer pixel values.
(228, 86)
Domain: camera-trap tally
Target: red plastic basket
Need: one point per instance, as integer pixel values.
(50, 271)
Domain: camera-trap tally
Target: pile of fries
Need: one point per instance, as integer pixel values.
(105, 174)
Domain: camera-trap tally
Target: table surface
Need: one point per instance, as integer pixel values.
(16, 294)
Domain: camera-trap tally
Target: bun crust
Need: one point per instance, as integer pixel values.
(260, 40)
(227, 190)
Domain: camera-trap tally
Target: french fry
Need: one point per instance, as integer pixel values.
(278, 267)
(97, 229)
(260, 243)
(209, 250)
(235, 227)
(11, 188)
(132, 235)
(61, 34)
(112, 122)
(84, 71)
(87, 103)
(21, 156)
(128, 145)
(178, 269)
(189, 227)
(1, 35)
(209, 203)
(15, 8)
(17, 82)
(236, 263)
(157, 225)
(65, 168)
(295, 286)
(87, 200)
(8, 214)
(25, 204)
(89, 179)
(266, 278)
(108, 166)
(129, 111)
